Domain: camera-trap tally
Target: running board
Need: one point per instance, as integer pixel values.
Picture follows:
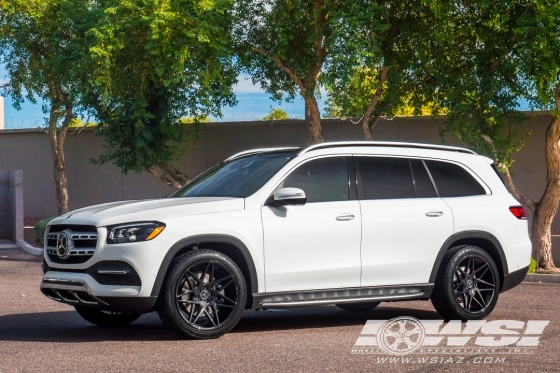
(349, 295)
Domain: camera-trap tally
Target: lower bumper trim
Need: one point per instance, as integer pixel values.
(513, 279)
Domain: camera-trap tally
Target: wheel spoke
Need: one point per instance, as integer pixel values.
(481, 298)
(193, 276)
(215, 311)
(208, 315)
(483, 273)
(482, 267)
(476, 300)
(203, 277)
(221, 296)
(216, 282)
(485, 283)
(224, 305)
(470, 302)
(185, 293)
(187, 301)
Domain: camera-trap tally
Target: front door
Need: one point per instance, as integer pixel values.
(317, 245)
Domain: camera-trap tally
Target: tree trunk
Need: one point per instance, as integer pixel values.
(57, 138)
(315, 130)
(546, 209)
(367, 124)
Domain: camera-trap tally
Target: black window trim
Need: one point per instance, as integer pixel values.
(352, 187)
(471, 172)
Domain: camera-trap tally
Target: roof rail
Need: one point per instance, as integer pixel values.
(385, 144)
(261, 150)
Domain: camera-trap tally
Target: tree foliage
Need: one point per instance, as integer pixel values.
(492, 54)
(379, 62)
(151, 63)
(39, 47)
(283, 45)
(276, 114)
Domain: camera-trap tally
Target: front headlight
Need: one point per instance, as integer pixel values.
(134, 232)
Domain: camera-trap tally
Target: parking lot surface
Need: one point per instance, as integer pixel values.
(40, 335)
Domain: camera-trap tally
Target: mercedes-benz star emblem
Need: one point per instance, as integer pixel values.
(62, 246)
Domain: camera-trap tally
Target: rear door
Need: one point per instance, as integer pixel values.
(404, 222)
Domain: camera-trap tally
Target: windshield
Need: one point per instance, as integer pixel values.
(240, 177)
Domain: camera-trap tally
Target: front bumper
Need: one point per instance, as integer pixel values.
(76, 293)
(117, 276)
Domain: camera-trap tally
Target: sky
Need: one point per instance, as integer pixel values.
(253, 104)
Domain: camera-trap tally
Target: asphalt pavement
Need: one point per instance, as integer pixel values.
(40, 335)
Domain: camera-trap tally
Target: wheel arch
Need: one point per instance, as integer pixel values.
(486, 241)
(227, 245)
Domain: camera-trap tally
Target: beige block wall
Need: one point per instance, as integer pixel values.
(28, 150)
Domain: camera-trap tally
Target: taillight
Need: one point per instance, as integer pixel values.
(518, 212)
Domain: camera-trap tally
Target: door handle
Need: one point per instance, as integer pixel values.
(345, 217)
(434, 214)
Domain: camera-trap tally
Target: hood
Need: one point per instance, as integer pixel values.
(148, 210)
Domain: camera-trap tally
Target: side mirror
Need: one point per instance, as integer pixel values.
(289, 196)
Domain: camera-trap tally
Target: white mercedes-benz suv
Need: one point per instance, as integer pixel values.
(349, 223)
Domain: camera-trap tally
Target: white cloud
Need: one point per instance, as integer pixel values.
(245, 85)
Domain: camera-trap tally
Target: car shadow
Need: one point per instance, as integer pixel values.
(68, 326)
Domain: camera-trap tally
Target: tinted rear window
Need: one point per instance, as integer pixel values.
(385, 178)
(453, 180)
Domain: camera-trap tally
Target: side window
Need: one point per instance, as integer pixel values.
(422, 183)
(453, 180)
(322, 180)
(385, 178)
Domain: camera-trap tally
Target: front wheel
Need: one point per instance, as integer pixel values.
(468, 284)
(203, 296)
(107, 318)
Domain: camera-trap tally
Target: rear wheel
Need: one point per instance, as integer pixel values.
(468, 284)
(203, 296)
(107, 318)
(358, 307)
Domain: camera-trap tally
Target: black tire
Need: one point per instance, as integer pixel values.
(107, 318)
(467, 285)
(203, 295)
(358, 307)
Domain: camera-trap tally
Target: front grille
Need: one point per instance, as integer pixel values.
(73, 228)
(108, 272)
(71, 244)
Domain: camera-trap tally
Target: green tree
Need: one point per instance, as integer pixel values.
(491, 54)
(38, 47)
(276, 114)
(375, 58)
(151, 63)
(283, 45)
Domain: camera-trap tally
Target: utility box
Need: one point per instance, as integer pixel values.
(11, 205)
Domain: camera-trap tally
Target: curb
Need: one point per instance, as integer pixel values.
(29, 249)
(537, 277)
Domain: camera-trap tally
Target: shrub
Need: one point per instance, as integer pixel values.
(39, 229)
(532, 266)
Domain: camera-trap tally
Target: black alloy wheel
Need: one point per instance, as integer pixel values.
(468, 285)
(204, 295)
